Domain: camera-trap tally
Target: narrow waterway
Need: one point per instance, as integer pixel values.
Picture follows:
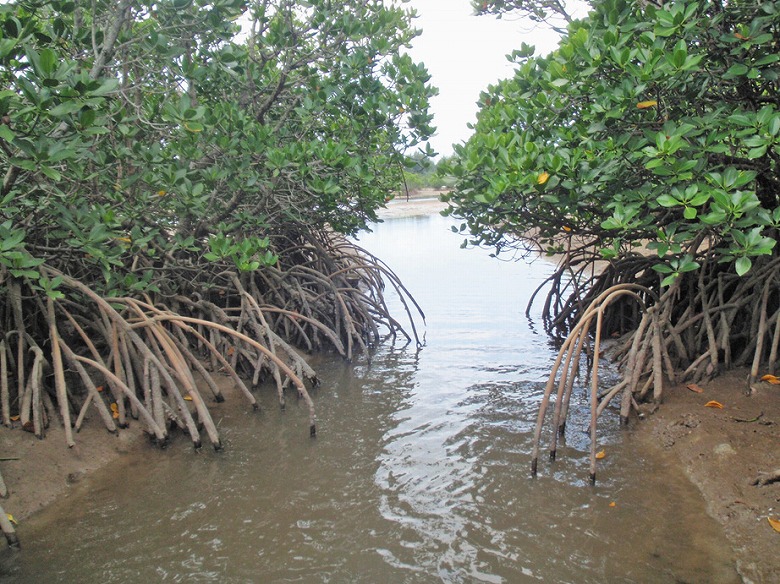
(419, 472)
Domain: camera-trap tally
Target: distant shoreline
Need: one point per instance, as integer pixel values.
(419, 202)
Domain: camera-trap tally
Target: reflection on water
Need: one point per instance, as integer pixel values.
(419, 472)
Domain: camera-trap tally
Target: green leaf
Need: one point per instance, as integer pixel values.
(12, 240)
(743, 265)
(47, 62)
(65, 108)
(107, 86)
(6, 133)
(669, 280)
(736, 70)
(668, 201)
(51, 173)
(662, 269)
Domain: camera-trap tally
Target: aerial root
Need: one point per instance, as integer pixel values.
(153, 359)
(568, 362)
(702, 323)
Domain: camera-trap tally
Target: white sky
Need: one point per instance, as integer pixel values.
(464, 54)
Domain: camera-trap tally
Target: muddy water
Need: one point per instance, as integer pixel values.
(419, 472)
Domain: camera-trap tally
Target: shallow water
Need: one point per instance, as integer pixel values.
(419, 471)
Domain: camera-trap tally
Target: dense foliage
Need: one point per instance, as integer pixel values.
(153, 148)
(142, 129)
(650, 139)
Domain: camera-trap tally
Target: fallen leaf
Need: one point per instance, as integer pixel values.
(647, 104)
(713, 404)
(543, 178)
(114, 410)
(99, 388)
(775, 523)
(187, 398)
(15, 418)
(12, 520)
(601, 454)
(695, 388)
(774, 380)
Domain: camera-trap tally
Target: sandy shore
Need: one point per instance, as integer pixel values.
(426, 203)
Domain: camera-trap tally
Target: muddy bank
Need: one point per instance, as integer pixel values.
(723, 451)
(39, 471)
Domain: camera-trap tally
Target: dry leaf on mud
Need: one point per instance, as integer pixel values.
(613, 504)
(601, 454)
(713, 404)
(775, 523)
(695, 388)
(187, 398)
(771, 379)
(114, 410)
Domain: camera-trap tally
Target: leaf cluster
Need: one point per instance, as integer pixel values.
(649, 124)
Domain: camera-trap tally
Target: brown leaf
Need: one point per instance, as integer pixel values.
(775, 523)
(601, 454)
(695, 388)
(774, 380)
(613, 504)
(713, 404)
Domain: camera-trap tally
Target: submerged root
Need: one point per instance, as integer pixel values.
(703, 323)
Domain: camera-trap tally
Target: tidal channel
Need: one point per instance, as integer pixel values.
(419, 472)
